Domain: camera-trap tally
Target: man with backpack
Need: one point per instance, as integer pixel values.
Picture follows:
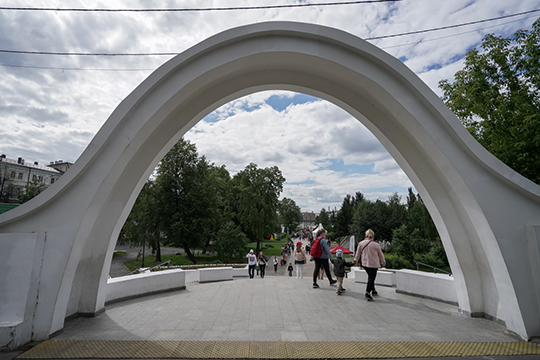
(321, 253)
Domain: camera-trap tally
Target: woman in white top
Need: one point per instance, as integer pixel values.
(299, 260)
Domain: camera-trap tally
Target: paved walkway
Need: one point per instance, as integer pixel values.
(283, 309)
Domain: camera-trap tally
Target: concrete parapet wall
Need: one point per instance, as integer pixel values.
(131, 286)
(215, 274)
(432, 286)
(384, 277)
(438, 287)
(242, 272)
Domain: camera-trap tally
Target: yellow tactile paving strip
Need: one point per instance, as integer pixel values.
(82, 349)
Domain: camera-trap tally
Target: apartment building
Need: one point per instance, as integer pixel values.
(15, 174)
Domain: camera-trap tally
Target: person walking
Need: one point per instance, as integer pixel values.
(321, 256)
(252, 262)
(339, 270)
(371, 257)
(276, 262)
(299, 260)
(262, 264)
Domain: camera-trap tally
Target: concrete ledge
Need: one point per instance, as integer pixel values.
(384, 277)
(439, 287)
(131, 286)
(192, 276)
(242, 272)
(215, 274)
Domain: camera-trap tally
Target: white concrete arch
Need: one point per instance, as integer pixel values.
(488, 215)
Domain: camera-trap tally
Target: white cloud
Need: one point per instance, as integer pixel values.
(53, 114)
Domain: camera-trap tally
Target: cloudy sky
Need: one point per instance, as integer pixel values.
(52, 105)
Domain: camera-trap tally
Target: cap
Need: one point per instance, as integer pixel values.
(339, 253)
(299, 243)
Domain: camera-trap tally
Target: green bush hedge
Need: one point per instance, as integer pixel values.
(397, 262)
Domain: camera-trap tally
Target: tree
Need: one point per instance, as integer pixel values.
(411, 199)
(31, 190)
(324, 220)
(257, 192)
(143, 225)
(496, 97)
(290, 214)
(344, 217)
(5, 183)
(187, 201)
(231, 242)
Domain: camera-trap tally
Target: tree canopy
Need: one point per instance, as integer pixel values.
(256, 194)
(497, 97)
(290, 214)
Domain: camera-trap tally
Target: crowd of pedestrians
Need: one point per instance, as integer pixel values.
(368, 255)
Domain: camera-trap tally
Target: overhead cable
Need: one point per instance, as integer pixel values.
(176, 53)
(200, 9)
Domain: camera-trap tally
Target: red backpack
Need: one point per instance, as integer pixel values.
(316, 250)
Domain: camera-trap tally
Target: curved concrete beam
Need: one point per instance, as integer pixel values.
(487, 214)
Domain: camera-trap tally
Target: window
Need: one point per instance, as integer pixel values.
(40, 178)
(34, 177)
(13, 174)
(20, 176)
(52, 180)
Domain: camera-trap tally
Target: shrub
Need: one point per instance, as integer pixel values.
(396, 262)
(430, 260)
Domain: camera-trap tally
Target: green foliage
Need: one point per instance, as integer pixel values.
(344, 217)
(324, 219)
(256, 193)
(430, 260)
(290, 214)
(379, 216)
(437, 251)
(495, 96)
(5, 183)
(31, 190)
(149, 261)
(188, 202)
(231, 242)
(395, 261)
(143, 225)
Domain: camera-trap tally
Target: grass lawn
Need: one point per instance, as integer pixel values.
(269, 248)
(150, 261)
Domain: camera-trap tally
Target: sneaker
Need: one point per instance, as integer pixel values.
(343, 290)
(339, 292)
(332, 282)
(315, 286)
(374, 293)
(368, 297)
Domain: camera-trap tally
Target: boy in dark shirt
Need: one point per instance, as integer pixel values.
(339, 270)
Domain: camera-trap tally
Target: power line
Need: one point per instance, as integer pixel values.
(69, 68)
(176, 53)
(452, 35)
(384, 47)
(202, 9)
(451, 26)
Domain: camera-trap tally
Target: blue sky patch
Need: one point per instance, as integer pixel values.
(280, 103)
(338, 166)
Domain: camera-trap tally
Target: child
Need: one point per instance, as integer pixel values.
(339, 270)
(290, 269)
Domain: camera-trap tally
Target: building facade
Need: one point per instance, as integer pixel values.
(308, 220)
(15, 174)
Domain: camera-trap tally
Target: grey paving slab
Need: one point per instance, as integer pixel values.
(281, 308)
